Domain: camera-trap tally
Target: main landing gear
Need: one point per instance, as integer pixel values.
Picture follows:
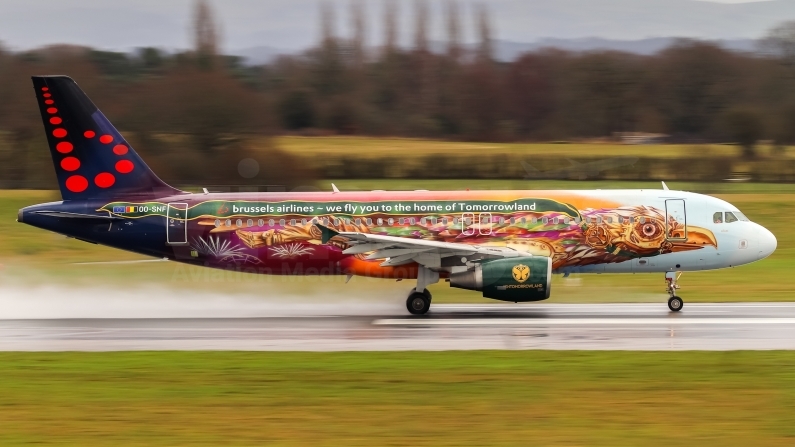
(419, 300)
(674, 302)
(418, 303)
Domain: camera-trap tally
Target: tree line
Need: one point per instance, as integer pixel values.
(196, 113)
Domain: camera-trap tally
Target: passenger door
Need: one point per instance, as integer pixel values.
(177, 224)
(675, 219)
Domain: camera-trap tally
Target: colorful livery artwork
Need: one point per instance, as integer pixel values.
(504, 244)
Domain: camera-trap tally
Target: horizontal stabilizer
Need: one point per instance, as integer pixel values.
(76, 215)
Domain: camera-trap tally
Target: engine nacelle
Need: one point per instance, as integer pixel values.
(509, 279)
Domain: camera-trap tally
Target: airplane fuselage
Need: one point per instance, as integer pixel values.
(602, 231)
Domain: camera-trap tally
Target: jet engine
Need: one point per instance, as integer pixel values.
(508, 279)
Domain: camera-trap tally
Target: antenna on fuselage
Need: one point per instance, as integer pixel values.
(334, 188)
(665, 187)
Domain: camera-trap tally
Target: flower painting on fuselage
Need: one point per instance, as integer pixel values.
(576, 232)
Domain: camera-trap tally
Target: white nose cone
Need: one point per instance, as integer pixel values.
(767, 242)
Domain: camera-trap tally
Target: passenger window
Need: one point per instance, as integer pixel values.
(271, 222)
(292, 221)
(599, 220)
(239, 222)
(524, 221)
(545, 220)
(411, 221)
(358, 221)
(282, 222)
(717, 217)
(228, 222)
(380, 221)
(730, 217)
(250, 223)
(391, 221)
(642, 219)
(369, 222)
(400, 221)
(217, 223)
(444, 221)
(422, 221)
(261, 223)
(513, 221)
(303, 221)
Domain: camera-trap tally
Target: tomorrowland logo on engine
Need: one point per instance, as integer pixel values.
(521, 272)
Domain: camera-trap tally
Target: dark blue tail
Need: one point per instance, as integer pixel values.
(92, 159)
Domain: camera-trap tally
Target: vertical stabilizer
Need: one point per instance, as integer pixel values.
(92, 159)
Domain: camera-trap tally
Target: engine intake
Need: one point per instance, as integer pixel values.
(510, 279)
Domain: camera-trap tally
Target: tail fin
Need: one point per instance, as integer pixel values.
(92, 159)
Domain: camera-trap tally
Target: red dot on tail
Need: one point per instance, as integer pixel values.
(106, 139)
(52, 110)
(49, 101)
(44, 89)
(124, 166)
(89, 134)
(104, 179)
(59, 132)
(64, 147)
(55, 120)
(119, 149)
(70, 164)
(76, 183)
(46, 95)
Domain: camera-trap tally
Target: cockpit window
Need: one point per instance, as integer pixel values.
(717, 217)
(730, 217)
(741, 216)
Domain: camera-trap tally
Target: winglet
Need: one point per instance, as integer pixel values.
(665, 187)
(326, 233)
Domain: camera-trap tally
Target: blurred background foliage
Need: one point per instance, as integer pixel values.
(194, 115)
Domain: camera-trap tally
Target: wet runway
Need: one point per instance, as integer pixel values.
(447, 327)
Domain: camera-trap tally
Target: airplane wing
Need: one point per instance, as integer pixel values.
(399, 250)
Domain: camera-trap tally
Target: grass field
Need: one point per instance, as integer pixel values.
(33, 257)
(414, 398)
(409, 147)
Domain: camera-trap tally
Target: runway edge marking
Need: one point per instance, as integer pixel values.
(577, 321)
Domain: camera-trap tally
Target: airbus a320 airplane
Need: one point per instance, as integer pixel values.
(505, 244)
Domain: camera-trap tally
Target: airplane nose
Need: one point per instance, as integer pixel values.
(767, 242)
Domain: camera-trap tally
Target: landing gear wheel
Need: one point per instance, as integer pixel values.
(418, 303)
(675, 303)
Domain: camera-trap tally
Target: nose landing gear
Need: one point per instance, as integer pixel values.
(674, 302)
